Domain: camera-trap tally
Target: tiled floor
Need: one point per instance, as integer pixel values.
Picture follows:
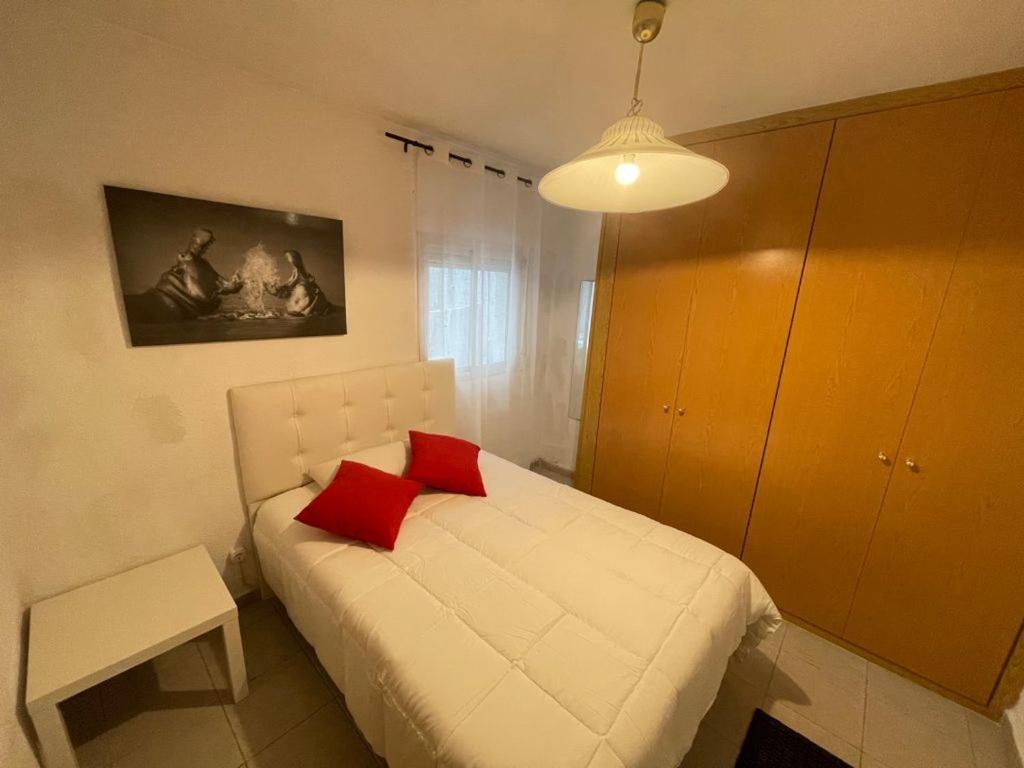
(858, 711)
(175, 712)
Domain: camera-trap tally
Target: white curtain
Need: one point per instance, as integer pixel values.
(478, 240)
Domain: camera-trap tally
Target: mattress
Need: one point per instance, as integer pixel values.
(538, 626)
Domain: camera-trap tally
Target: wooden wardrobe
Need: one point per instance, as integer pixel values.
(821, 369)
(701, 308)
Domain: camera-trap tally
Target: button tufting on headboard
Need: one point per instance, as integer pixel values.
(282, 428)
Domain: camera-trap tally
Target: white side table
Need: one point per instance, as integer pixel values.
(93, 633)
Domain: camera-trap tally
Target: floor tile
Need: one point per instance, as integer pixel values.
(730, 714)
(328, 680)
(255, 609)
(988, 742)
(325, 739)
(164, 714)
(825, 739)
(303, 643)
(911, 727)
(186, 739)
(822, 682)
(277, 702)
(757, 666)
(178, 673)
(710, 751)
(267, 641)
(845, 667)
(310, 652)
(86, 724)
(827, 692)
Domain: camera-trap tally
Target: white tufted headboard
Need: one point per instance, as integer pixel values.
(285, 427)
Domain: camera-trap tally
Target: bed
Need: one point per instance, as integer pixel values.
(538, 626)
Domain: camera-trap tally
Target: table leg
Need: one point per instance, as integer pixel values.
(235, 659)
(54, 742)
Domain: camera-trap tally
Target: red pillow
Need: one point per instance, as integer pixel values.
(446, 463)
(362, 503)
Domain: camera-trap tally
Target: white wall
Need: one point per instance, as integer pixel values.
(569, 243)
(14, 747)
(113, 456)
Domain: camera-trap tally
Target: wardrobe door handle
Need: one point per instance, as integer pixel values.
(664, 408)
(911, 465)
(883, 457)
(680, 411)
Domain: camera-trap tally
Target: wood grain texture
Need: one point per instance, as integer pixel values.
(1012, 680)
(926, 94)
(654, 275)
(606, 259)
(942, 591)
(751, 253)
(590, 415)
(893, 210)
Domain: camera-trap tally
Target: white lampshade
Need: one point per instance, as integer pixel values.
(633, 168)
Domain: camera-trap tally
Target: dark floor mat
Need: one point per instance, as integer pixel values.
(770, 744)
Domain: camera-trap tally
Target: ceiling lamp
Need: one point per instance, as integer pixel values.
(634, 167)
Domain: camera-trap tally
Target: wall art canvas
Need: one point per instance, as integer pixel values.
(198, 271)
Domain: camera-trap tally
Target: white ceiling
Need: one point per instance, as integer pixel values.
(538, 80)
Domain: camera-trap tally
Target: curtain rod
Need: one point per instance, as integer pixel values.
(466, 161)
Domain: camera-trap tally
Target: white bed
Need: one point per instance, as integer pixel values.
(538, 626)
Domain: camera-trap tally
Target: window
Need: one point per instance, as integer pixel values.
(467, 316)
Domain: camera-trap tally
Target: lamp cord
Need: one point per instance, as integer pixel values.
(637, 103)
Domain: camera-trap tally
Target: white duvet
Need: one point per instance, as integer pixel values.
(538, 626)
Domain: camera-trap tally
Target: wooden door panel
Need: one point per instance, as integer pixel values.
(942, 591)
(753, 242)
(893, 209)
(654, 274)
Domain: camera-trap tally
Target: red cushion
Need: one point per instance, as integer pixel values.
(446, 463)
(362, 503)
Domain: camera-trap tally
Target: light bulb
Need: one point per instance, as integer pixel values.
(627, 171)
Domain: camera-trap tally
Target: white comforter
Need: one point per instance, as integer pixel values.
(536, 627)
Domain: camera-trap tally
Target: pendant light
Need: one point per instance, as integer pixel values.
(633, 167)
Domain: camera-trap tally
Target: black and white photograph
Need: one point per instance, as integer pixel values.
(200, 271)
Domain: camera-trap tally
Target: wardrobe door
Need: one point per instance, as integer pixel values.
(752, 249)
(654, 272)
(893, 209)
(942, 592)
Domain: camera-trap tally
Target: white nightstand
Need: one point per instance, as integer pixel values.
(90, 634)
